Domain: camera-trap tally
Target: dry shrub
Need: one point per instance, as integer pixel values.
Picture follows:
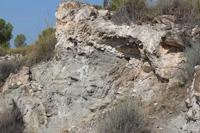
(11, 122)
(185, 11)
(197, 7)
(2, 52)
(179, 8)
(136, 4)
(126, 118)
(124, 14)
(6, 67)
(192, 55)
(45, 45)
(129, 11)
(20, 50)
(42, 50)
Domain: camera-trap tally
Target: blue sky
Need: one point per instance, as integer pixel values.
(28, 16)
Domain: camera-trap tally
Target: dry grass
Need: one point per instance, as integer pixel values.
(20, 50)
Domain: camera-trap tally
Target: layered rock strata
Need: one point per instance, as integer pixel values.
(98, 63)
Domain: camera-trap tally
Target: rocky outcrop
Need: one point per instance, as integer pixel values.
(163, 48)
(96, 64)
(193, 100)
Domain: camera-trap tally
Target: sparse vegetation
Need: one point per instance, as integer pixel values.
(168, 99)
(42, 50)
(45, 45)
(137, 5)
(185, 11)
(11, 122)
(6, 67)
(98, 7)
(126, 118)
(192, 59)
(20, 50)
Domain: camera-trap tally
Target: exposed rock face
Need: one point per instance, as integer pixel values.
(96, 64)
(193, 100)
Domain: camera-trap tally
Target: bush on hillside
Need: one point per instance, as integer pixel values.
(181, 9)
(124, 14)
(45, 45)
(137, 5)
(185, 11)
(6, 67)
(197, 7)
(126, 118)
(192, 59)
(20, 50)
(129, 11)
(42, 50)
(12, 122)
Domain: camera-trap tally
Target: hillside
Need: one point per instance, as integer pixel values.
(97, 64)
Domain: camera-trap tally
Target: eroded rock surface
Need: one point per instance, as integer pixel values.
(97, 63)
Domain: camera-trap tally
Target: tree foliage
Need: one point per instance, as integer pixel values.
(20, 41)
(5, 33)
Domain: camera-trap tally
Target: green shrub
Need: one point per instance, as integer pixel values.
(115, 4)
(6, 67)
(45, 45)
(126, 118)
(136, 4)
(42, 50)
(98, 7)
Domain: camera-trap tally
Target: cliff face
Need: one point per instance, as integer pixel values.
(96, 64)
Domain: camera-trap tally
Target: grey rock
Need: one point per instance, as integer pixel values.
(96, 64)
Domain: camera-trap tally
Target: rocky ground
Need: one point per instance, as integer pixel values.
(98, 63)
